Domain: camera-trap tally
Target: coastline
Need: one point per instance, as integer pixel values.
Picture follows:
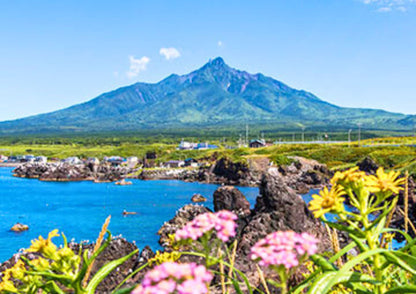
(9, 164)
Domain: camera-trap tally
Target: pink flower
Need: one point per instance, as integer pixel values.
(223, 222)
(283, 248)
(171, 277)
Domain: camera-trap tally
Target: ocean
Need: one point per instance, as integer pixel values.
(79, 208)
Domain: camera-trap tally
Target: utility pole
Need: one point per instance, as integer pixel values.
(359, 134)
(303, 134)
(247, 135)
(349, 138)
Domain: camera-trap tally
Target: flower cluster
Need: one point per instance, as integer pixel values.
(171, 277)
(327, 201)
(383, 182)
(45, 246)
(223, 222)
(352, 176)
(283, 248)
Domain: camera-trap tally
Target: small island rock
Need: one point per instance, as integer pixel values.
(18, 227)
(198, 198)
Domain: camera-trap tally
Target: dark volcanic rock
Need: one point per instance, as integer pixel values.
(118, 248)
(230, 198)
(182, 217)
(368, 165)
(279, 208)
(63, 172)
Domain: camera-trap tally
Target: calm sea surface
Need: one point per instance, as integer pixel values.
(80, 208)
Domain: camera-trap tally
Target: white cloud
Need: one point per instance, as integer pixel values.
(384, 9)
(390, 5)
(220, 43)
(137, 65)
(170, 53)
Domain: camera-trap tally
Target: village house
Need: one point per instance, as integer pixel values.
(191, 162)
(257, 143)
(72, 160)
(195, 146)
(114, 160)
(93, 161)
(174, 163)
(132, 161)
(41, 159)
(28, 158)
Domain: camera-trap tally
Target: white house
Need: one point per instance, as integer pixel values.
(132, 161)
(41, 159)
(73, 160)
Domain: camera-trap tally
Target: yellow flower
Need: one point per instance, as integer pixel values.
(41, 264)
(7, 286)
(327, 201)
(18, 270)
(384, 182)
(164, 257)
(347, 177)
(44, 246)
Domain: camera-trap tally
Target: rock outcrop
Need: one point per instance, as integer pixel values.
(18, 227)
(278, 208)
(230, 198)
(182, 217)
(368, 165)
(64, 172)
(198, 198)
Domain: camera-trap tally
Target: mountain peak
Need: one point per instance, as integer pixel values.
(216, 63)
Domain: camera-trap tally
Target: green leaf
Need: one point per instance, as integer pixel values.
(400, 259)
(402, 290)
(330, 279)
(342, 252)
(324, 264)
(237, 287)
(384, 214)
(101, 249)
(360, 243)
(125, 290)
(51, 287)
(343, 272)
(344, 228)
(105, 271)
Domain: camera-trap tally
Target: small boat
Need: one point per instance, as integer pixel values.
(129, 212)
(123, 182)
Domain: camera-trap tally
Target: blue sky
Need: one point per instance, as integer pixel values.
(357, 53)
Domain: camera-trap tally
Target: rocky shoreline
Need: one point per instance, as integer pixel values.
(279, 207)
(302, 175)
(64, 172)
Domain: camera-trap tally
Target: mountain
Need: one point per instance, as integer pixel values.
(215, 94)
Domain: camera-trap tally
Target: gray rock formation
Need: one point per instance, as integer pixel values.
(182, 217)
(230, 198)
(69, 172)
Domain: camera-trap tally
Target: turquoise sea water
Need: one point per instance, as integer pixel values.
(80, 208)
